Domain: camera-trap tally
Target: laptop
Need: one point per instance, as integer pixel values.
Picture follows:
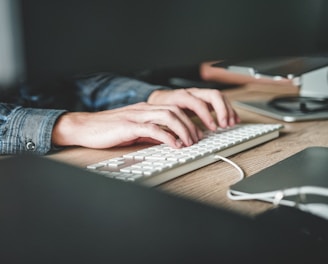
(298, 181)
(52, 212)
(276, 67)
(264, 107)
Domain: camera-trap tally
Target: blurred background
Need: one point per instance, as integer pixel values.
(43, 39)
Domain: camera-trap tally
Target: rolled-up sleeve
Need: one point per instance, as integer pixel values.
(26, 129)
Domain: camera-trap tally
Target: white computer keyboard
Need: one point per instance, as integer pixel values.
(157, 164)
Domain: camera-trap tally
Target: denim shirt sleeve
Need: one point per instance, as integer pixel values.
(104, 91)
(26, 129)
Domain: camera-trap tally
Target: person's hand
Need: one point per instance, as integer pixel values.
(201, 102)
(127, 125)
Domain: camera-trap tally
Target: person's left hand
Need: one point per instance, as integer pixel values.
(202, 102)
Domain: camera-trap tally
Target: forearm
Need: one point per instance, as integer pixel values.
(106, 91)
(26, 129)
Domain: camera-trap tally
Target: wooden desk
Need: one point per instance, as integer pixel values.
(209, 184)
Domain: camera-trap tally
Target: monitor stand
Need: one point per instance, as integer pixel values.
(310, 73)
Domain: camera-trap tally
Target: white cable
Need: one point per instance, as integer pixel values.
(241, 172)
(303, 190)
(277, 198)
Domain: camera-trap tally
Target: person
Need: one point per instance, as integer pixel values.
(113, 111)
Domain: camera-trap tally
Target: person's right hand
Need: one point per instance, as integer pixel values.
(140, 122)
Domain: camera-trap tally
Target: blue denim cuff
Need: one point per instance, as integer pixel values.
(28, 130)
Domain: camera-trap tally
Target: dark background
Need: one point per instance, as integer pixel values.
(72, 36)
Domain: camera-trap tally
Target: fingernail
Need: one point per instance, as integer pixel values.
(178, 143)
(223, 122)
(200, 134)
(213, 125)
(232, 122)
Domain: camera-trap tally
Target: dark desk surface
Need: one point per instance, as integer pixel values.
(209, 184)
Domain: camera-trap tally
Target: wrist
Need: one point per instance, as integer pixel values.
(63, 131)
(156, 97)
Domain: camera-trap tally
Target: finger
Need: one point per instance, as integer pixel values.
(133, 132)
(203, 102)
(153, 132)
(172, 115)
(226, 115)
(187, 100)
(169, 119)
(233, 116)
(224, 112)
(192, 128)
(140, 140)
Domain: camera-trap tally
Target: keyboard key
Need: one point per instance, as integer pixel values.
(157, 164)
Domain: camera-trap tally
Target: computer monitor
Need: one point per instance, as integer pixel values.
(62, 38)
